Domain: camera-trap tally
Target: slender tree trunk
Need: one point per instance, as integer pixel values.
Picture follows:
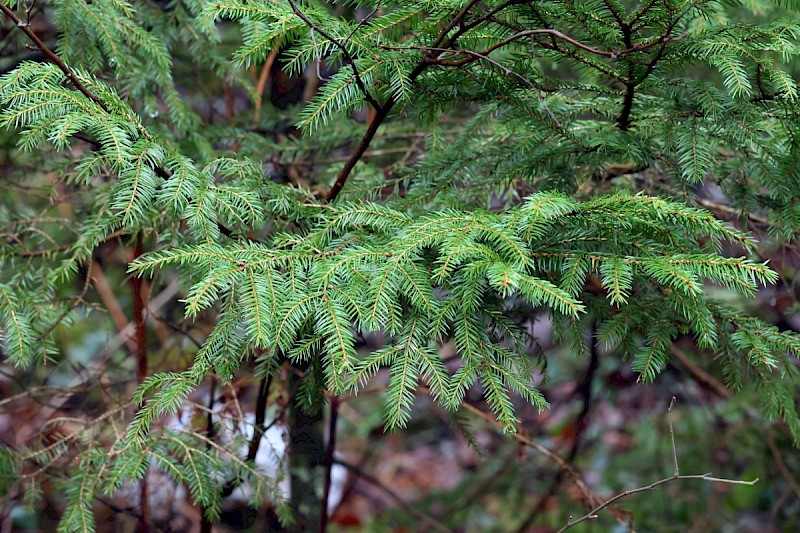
(306, 465)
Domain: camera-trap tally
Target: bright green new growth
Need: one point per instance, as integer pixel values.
(427, 262)
(366, 267)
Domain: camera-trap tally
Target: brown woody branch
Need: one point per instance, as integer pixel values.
(457, 20)
(624, 120)
(613, 54)
(381, 112)
(25, 27)
(139, 317)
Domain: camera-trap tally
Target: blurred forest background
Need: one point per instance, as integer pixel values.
(443, 472)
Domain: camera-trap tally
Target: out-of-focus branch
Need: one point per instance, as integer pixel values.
(424, 518)
(592, 515)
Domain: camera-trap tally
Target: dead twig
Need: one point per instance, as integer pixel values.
(592, 515)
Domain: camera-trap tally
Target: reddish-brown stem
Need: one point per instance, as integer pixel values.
(110, 301)
(139, 315)
(140, 337)
(381, 112)
(262, 82)
(341, 179)
(228, 94)
(613, 54)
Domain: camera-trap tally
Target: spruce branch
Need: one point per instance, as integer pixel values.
(71, 76)
(83, 89)
(68, 72)
(341, 46)
(443, 44)
(612, 54)
(441, 247)
(382, 111)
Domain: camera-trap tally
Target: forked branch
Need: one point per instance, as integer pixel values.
(348, 58)
(581, 485)
(592, 515)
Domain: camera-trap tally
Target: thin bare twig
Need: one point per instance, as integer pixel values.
(110, 301)
(613, 54)
(508, 71)
(731, 212)
(361, 23)
(520, 437)
(700, 375)
(592, 515)
(584, 392)
(672, 438)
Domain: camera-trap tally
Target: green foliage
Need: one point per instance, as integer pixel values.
(521, 212)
